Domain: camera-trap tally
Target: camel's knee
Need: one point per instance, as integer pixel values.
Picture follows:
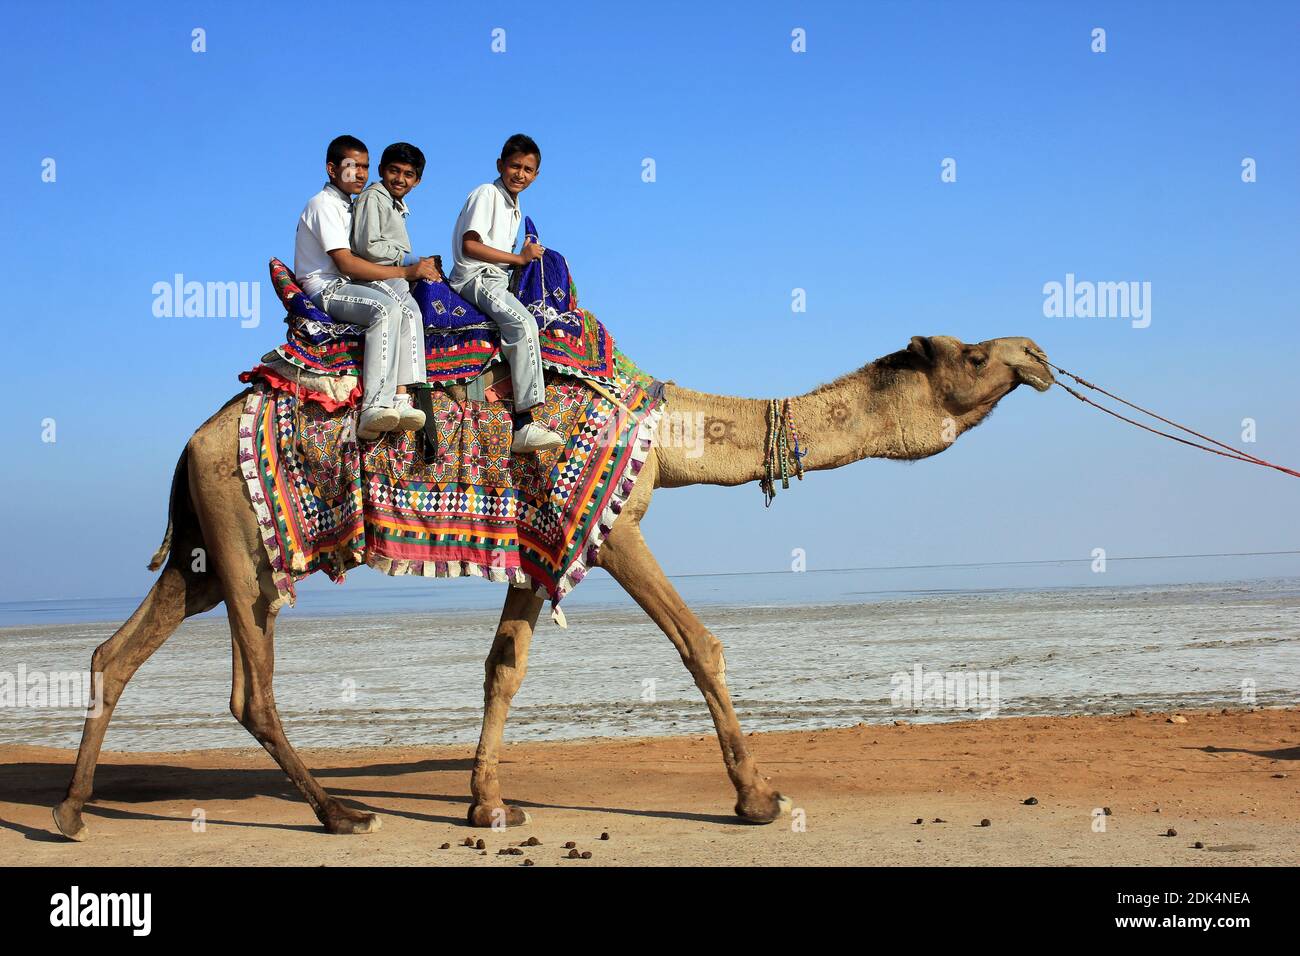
(102, 657)
(505, 681)
(256, 713)
(112, 678)
(705, 658)
(504, 674)
(507, 663)
(247, 705)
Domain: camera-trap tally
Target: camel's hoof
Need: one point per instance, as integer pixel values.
(354, 822)
(70, 823)
(495, 817)
(763, 807)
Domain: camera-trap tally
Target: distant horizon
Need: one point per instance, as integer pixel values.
(319, 598)
(372, 574)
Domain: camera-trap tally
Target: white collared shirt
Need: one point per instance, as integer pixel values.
(494, 214)
(325, 224)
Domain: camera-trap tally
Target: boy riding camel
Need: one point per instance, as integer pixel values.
(355, 290)
(482, 246)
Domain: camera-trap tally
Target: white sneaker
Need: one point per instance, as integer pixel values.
(534, 438)
(375, 421)
(411, 418)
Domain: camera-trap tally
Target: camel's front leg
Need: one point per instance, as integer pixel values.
(506, 665)
(626, 556)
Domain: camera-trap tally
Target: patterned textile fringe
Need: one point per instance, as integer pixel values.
(258, 495)
(642, 442)
(448, 569)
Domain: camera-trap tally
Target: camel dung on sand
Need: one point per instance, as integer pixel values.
(908, 405)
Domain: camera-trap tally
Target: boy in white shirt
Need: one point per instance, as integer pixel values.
(482, 246)
(326, 268)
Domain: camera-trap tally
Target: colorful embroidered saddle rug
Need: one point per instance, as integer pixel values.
(460, 341)
(325, 502)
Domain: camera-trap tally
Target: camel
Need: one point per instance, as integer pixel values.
(908, 405)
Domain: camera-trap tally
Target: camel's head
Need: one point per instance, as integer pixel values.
(970, 379)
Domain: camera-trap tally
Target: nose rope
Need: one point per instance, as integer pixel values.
(1236, 453)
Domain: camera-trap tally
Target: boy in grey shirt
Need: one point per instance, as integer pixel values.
(379, 236)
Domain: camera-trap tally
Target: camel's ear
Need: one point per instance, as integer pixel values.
(922, 346)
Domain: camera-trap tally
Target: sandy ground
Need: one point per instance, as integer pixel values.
(1228, 780)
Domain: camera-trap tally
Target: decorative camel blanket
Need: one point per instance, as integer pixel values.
(460, 341)
(468, 507)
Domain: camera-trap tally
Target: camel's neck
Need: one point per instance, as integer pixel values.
(870, 413)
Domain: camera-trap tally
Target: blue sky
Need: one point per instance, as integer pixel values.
(774, 169)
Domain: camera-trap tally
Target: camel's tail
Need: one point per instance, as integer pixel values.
(164, 549)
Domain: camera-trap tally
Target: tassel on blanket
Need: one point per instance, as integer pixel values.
(557, 615)
(348, 433)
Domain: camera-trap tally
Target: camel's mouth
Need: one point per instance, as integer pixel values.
(1042, 382)
(1030, 378)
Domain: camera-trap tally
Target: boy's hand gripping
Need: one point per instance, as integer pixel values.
(426, 268)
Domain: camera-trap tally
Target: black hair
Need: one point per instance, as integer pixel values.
(404, 153)
(340, 145)
(521, 143)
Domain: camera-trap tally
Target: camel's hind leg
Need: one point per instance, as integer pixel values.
(179, 592)
(252, 608)
(627, 558)
(506, 665)
(235, 546)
